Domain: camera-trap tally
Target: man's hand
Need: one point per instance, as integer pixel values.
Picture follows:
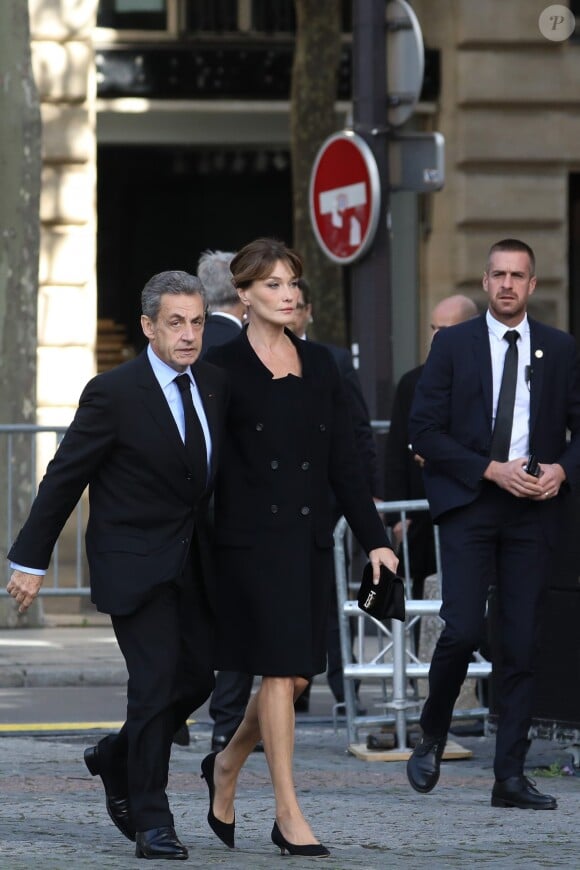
(512, 477)
(551, 478)
(24, 588)
(382, 556)
(397, 531)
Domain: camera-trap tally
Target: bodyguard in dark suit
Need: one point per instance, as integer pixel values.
(403, 467)
(147, 452)
(494, 390)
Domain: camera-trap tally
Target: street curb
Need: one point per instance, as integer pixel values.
(14, 677)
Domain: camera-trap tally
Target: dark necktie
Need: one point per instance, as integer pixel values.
(504, 416)
(194, 437)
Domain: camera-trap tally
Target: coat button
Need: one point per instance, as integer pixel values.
(322, 427)
(274, 464)
(274, 508)
(189, 476)
(305, 466)
(259, 427)
(305, 511)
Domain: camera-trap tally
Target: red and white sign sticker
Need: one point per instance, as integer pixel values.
(345, 196)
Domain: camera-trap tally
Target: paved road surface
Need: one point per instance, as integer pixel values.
(52, 812)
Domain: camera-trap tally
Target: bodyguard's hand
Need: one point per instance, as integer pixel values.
(24, 588)
(551, 479)
(382, 556)
(512, 477)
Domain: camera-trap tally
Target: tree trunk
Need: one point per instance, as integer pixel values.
(312, 119)
(20, 168)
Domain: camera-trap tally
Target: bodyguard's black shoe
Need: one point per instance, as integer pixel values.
(520, 792)
(181, 736)
(117, 803)
(219, 742)
(160, 843)
(424, 765)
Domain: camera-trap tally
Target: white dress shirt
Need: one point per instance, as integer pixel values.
(520, 440)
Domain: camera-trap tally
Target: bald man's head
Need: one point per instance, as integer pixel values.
(452, 310)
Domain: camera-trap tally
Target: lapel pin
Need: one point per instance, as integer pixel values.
(539, 354)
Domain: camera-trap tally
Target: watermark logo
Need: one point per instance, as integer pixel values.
(557, 23)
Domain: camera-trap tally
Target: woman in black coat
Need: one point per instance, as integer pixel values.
(289, 443)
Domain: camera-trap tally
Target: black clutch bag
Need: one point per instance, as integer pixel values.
(386, 600)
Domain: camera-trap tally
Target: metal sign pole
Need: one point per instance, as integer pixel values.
(370, 277)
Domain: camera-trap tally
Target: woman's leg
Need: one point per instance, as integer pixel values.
(269, 715)
(276, 716)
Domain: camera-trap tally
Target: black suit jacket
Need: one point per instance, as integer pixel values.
(363, 432)
(451, 417)
(218, 330)
(403, 476)
(147, 504)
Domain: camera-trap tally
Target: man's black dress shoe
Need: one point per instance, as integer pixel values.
(219, 742)
(520, 791)
(117, 803)
(181, 736)
(160, 843)
(424, 765)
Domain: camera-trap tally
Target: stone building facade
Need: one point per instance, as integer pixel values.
(63, 62)
(508, 108)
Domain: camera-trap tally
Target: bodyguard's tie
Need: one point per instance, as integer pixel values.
(504, 417)
(194, 437)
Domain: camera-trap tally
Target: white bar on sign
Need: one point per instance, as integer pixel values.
(341, 198)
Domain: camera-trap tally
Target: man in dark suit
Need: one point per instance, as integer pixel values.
(226, 311)
(493, 390)
(403, 476)
(146, 445)
(232, 689)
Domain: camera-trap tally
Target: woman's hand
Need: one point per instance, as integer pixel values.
(382, 556)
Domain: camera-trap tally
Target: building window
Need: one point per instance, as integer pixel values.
(179, 18)
(214, 16)
(132, 14)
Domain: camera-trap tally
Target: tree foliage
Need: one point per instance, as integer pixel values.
(312, 119)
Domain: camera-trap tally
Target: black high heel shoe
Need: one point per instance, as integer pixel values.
(224, 830)
(313, 850)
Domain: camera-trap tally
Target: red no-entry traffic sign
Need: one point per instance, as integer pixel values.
(345, 197)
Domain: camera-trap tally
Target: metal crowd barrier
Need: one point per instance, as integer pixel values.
(25, 450)
(395, 641)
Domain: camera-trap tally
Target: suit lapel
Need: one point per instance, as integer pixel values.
(537, 357)
(483, 363)
(204, 381)
(157, 406)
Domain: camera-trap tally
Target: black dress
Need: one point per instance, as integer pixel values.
(288, 444)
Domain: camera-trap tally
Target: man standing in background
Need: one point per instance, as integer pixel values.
(403, 474)
(226, 311)
(490, 416)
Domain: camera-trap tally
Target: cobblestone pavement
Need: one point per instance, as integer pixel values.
(52, 813)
